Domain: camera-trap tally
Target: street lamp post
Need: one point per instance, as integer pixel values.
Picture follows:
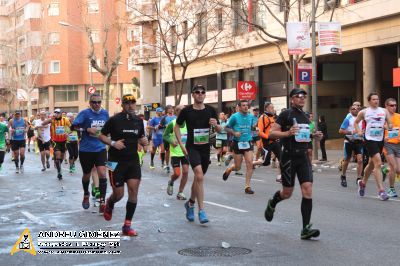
(314, 75)
(118, 87)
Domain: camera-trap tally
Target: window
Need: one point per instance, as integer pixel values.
(54, 38)
(202, 28)
(129, 35)
(239, 27)
(185, 29)
(154, 77)
(68, 93)
(92, 69)
(93, 6)
(174, 38)
(3, 2)
(20, 17)
(282, 5)
(306, 2)
(54, 67)
(230, 79)
(220, 22)
(2, 72)
(53, 9)
(44, 96)
(95, 34)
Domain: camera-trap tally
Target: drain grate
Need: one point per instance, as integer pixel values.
(214, 252)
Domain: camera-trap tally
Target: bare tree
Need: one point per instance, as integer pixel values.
(187, 32)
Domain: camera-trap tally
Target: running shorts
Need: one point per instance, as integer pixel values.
(43, 146)
(236, 149)
(124, 171)
(59, 146)
(294, 163)
(17, 144)
(350, 147)
(273, 147)
(373, 147)
(199, 157)
(392, 149)
(90, 159)
(178, 161)
(73, 150)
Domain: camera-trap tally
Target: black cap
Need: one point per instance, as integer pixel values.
(128, 98)
(198, 87)
(296, 91)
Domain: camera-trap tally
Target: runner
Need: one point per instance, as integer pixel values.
(92, 152)
(198, 118)
(3, 143)
(126, 131)
(292, 127)
(177, 157)
(72, 145)
(31, 132)
(44, 140)
(392, 146)
(18, 129)
(240, 125)
(221, 142)
(142, 150)
(375, 118)
(352, 143)
(312, 131)
(166, 119)
(256, 133)
(157, 141)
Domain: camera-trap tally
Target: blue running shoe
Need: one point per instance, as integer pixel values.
(361, 188)
(189, 212)
(203, 217)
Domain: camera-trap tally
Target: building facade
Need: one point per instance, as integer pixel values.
(48, 41)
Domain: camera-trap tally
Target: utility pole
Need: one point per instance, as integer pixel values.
(314, 76)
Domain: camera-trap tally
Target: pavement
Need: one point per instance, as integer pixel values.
(354, 231)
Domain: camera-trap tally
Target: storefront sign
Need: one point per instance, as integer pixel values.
(298, 37)
(246, 90)
(396, 77)
(304, 73)
(329, 37)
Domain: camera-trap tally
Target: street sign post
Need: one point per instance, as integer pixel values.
(91, 89)
(304, 73)
(246, 90)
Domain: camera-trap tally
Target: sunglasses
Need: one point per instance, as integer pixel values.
(300, 96)
(56, 112)
(392, 105)
(95, 102)
(200, 92)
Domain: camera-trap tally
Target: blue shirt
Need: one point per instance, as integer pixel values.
(222, 135)
(19, 129)
(86, 119)
(154, 122)
(241, 123)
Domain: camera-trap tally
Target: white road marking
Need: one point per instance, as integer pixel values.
(61, 213)
(7, 206)
(32, 217)
(253, 179)
(224, 206)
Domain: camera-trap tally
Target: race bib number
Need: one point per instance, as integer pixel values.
(376, 131)
(218, 143)
(111, 166)
(303, 135)
(201, 136)
(73, 137)
(393, 133)
(243, 145)
(184, 138)
(60, 130)
(19, 131)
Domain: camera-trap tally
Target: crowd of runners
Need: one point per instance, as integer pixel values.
(183, 136)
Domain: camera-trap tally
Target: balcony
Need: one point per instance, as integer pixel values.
(144, 54)
(144, 12)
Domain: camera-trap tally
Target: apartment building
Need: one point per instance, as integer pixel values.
(50, 42)
(370, 38)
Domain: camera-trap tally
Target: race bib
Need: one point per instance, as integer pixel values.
(73, 137)
(201, 136)
(19, 131)
(218, 143)
(393, 133)
(303, 135)
(244, 145)
(376, 131)
(111, 166)
(60, 130)
(184, 138)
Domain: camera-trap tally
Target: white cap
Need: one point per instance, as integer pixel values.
(70, 114)
(58, 110)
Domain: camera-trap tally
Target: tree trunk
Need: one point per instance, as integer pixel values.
(28, 104)
(107, 80)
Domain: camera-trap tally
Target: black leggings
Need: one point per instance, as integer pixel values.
(2, 153)
(73, 150)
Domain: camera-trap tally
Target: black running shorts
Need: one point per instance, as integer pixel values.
(236, 149)
(178, 161)
(90, 159)
(17, 144)
(73, 150)
(273, 147)
(125, 171)
(43, 146)
(199, 157)
(59, 146)
(295, 163)
(373, 147)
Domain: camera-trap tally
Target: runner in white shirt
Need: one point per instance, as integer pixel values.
(43, 134)
(375, 118)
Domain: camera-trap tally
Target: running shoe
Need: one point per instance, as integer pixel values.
(85, 202)
(383, 196)
(107, 214)
(269, 211)
(278, 178)
(226, 174)
(93, 190)
(168, 170)
(97, 193)
(180, 196)
(203, 217)
(71, 170)
(170, 188)
(391, 192)
(238, 173)
(21, 169)
(152, 165)
(358, 178)
(128, 231)
(43, 169)
(59, 176)
(189, 211)
(343, 181)
(102, 207)
(219, 164)
(361, 188)
(47, 164)
(248, 190)
(17, 170)
(228, 159)
(308, 232)
(384, 170)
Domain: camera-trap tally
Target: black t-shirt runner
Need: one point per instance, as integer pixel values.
(198, 125)
(285, 120)
(127, 127)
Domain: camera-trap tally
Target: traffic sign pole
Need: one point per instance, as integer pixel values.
(314, 76)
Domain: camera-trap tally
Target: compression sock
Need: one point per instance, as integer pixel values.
(58, 165)
(192, 202)
(85, 185)
(102, 188)
(16, 161)
(276, 199)
(110, 202)
(22, 160)
(306, 208)
(162, 157)
(219, 157)
(130, 210)
(152, 157)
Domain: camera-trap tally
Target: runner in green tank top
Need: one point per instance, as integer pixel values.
(177, 157)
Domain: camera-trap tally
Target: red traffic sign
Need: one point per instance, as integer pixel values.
(303, 73)
(91, 89)
(246, 90)
(117, 100)
(396, 77)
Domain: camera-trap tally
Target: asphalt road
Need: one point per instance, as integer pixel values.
(354, 231)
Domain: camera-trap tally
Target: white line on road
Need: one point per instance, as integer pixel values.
(7, 206)
(224, 206)
(32, 217)
(253, 179)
